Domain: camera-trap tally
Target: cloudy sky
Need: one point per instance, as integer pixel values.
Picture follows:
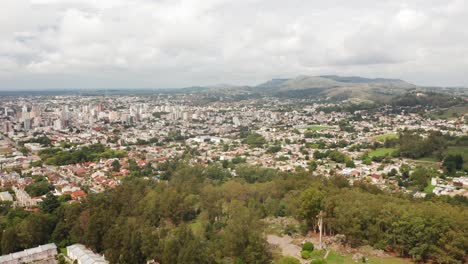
(177, 43)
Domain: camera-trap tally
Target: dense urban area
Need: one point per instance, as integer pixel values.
(196, 177)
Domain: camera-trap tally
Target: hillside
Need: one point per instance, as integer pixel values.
(332, 87)
(336, 87)
(327, 86)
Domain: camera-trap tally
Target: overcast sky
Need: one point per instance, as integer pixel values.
(178, 43)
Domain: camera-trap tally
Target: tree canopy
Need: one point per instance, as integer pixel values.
(203, 214)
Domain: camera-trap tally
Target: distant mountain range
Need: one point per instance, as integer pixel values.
(325, 86)
(353, 88)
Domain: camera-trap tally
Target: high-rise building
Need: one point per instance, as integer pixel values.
(7, 127)
(236, 121)
(58, 124)
(27, 124)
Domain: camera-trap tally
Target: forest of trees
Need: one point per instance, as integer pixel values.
(57, 156)
(412, 145)
(430, 99)
(435, 145)
(204, 215)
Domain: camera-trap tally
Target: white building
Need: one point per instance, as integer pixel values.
(83, 255)
(6, 196)
(32, 255)
(23, 199)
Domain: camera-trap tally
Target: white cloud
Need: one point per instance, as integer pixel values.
(173, 43)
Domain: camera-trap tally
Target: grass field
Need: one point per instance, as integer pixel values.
(317, 128)
(432, 161)
(452, 112)
(428, 162)
(64, 251)
(335, 258)
(429, 188)
(386, 136)
(382, 152)
(462, 150)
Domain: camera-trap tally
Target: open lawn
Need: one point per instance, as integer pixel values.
(64, 251)
(428, 162)
(462, 150)
(432, 161)
(459, 150)
(317, 128)
(429, 188)
(288, 247)
(335, 258)
(386, 136)
(382, 152)
(451, 113)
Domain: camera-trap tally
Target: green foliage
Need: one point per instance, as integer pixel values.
(243, 237)
(25, 230)
(432, 99)
(314, 134)
(305, 254)
(412, 145)
(183, 247)
(420, 178)
(383, 152)
(216, 172)
(317, 128)
(386, 137)
(288, 260)
(452, 163)
(64, 198)
(38, 188)
(282, 158)
(345, 126)
(318, 261)
(50, 203)
(310, 204)
(334, 155)
(308, 246)
(312, 166)
(238, 159)
(253, 174)
(37, 163)
(396, 222)
(350, 163)
(25, 151)
(5, 207)
(43, 140)
(203, 215)
(274, 149)
(61, 259)
(255, 140)
(115, 165)
(55, 156)
(158, 114)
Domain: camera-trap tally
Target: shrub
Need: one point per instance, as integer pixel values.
(289, 260)
(308, 246)
(318, 261)
(290, 229)
(306, 254)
